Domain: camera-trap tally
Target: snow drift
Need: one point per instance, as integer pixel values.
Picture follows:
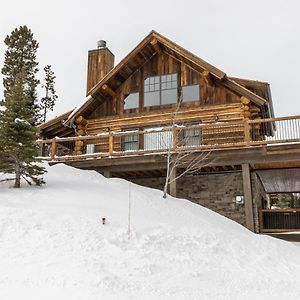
(53, 246)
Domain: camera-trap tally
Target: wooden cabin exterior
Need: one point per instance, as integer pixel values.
(162, 98)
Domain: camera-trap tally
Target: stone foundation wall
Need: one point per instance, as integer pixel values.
(214, 191)
(152, 182)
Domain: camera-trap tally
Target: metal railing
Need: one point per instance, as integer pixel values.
(219, 135)
(275, 130)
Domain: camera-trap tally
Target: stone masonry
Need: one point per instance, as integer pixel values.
(214, 191)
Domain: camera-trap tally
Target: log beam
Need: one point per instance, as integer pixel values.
(207, 77)
(245, 100)
(53, 149)
(108, 90)
(80, 121)
(155, 46)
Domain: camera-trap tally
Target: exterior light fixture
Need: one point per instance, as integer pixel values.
(239, 200)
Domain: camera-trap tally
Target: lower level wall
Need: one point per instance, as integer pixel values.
(217, 192)
(214, 191)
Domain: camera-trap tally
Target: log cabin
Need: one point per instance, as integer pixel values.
(163, 101)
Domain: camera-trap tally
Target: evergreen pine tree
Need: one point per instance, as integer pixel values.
(48, 102)
(20, 56)
(18, 150)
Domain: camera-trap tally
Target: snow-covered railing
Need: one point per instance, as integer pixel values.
(162, 139)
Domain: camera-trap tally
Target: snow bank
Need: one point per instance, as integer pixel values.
(53, 246)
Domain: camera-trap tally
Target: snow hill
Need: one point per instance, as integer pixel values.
(53, 246)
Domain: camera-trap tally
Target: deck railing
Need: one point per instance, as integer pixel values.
(275, 130)
(212, 136)
(279, 220)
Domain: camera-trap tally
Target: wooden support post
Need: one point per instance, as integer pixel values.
(107, 174)
(248, 196)
(173, 186)
(207, 77)
(261, 220)
(247, 132)
(115, 105)
(141, 139)
(53, 148)
(111, 143)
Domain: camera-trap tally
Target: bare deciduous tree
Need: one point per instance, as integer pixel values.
(129, 211)
(178, 144)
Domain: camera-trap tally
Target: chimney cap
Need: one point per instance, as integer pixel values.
(101, 44)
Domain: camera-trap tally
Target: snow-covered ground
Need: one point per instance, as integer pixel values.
(53, 246)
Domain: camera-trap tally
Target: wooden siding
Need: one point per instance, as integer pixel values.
(210, 93)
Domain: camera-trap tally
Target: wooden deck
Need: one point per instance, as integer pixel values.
(258, 141)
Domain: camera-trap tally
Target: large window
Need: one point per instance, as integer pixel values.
(190, 93)
(131, 101)
(160, 90)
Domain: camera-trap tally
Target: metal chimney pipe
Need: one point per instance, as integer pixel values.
(101, 44)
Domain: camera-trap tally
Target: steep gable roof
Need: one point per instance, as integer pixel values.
(152, 44)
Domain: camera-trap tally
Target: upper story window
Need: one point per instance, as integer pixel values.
(160, 90)
(190, 93)
(131, 101)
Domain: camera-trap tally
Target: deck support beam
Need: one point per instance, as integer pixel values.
(173, 184)
(248, 196)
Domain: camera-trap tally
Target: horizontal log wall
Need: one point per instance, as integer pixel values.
(148, 119)
(205, 114)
